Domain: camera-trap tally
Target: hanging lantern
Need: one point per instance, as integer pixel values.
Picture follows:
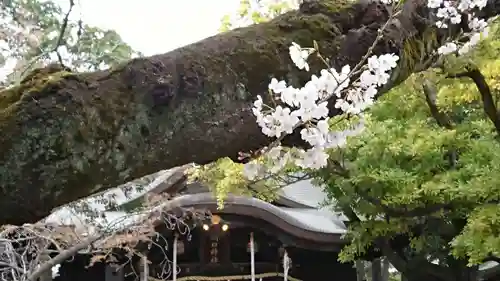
(215, 219)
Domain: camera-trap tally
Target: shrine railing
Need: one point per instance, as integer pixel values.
(259, 276)
(233, 268)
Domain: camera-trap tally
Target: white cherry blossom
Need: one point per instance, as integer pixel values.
(450, 12)
(252, 170)
(306, 108)
(277, 86)
(291, 96)
(316, 111)
(313, 158)
(299, 56)
(434, 3)
(447, 48)
(477, 24)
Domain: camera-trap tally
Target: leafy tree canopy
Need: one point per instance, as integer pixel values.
(256, 11)
(36, 33)
(409, 174)
(424, 168)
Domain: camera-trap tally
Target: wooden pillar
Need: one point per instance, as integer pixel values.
(360, 270)
(203, 248)
(286, 265)
(385, 269)
(174, 257)
(252, 257)
(376, 270)
(143, 268)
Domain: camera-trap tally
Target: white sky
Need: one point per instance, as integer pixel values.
(150, 26)
(156, 26)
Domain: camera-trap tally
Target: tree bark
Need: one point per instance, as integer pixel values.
(67, 135)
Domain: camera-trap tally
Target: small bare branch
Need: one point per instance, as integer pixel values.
(489, 105)
(24, 250)
(441, 118)
(492, 258)
(430, 92)
(64, 25)
(64, 255)
(59, 42)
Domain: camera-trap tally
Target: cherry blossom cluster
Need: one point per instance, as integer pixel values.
(307, 108)
(451, 12)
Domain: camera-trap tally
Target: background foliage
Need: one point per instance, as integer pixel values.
(407, 175)
(31, 37)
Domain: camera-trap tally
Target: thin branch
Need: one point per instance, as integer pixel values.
(63, 30)
(422, 266)
(399, 263)
(24, 248)
(492, 258)
(59, 41)
(441, 118)
(489, 105)
(430, 92)
(64, 255)
(406, 212)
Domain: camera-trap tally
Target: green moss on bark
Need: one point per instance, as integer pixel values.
(36, 82)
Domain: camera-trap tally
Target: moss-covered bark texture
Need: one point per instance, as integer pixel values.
(65, 136)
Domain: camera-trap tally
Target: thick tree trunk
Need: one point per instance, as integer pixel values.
(65, 136)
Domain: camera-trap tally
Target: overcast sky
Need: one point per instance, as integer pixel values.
(150, 26)
(156, 26)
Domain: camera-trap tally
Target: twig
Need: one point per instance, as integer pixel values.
(63, 30)
(489, 105)
(56, 47)
(492, 258)
(64, 255)
(23, 246)
(441, 118)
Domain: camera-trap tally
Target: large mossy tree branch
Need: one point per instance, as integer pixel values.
(65, 136)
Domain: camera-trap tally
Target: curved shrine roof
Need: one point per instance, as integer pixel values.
(305, 215)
